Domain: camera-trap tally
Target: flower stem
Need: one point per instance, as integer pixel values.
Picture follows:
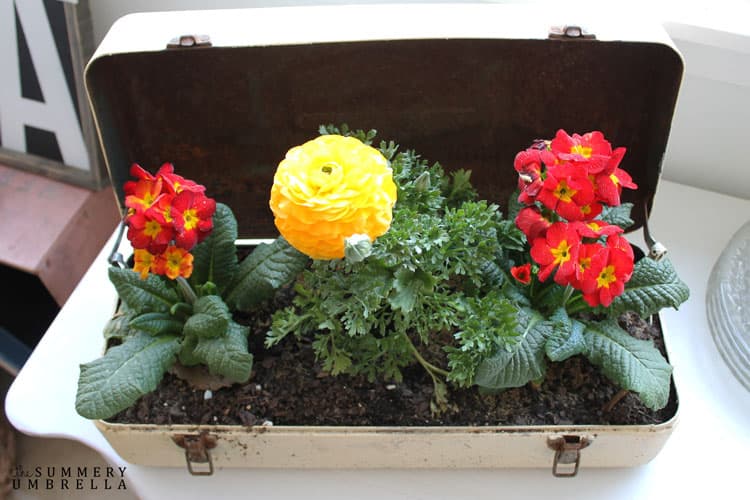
(187, 290)
(431, 369)
(568, 292)
(615, 399)
(576, 305)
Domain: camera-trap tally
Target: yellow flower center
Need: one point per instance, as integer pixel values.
(584, 151)
(174, 259)
(190, 218)
(561, 253)
(152, 229)
(594, 226)
(584, 264)
(563, 192)
(606, 277)
(148, 199)
(614, 179)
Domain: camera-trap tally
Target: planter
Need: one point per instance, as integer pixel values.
(254, 91)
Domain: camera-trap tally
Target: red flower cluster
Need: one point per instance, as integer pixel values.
(167, 216)
(565, 182)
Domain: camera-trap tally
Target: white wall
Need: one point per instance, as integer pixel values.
(711, 127)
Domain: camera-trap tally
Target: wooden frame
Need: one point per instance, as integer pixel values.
(81, 44)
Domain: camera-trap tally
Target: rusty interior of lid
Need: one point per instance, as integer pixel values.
(226, 116)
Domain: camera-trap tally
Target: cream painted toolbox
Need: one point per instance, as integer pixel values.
(224, 94)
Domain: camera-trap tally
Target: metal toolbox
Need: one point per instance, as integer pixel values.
(223, 95)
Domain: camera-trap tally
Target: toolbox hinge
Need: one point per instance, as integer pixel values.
(196, 452)
(568, 452)
(189, 41)
(570, 32)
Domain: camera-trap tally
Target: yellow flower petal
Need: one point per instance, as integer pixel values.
(329, 189)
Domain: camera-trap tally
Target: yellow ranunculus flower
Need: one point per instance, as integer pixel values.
(329, 189)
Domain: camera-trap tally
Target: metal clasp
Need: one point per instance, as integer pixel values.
(188, 41)
(567, 451)
(656, 250)
(196, 451)
(115, 258)
(570, 32)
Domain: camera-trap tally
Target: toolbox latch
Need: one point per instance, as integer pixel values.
(189, 41)
(196, 452)
(567, 452)
(570, 32)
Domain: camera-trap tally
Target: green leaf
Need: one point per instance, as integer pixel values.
(215, 259)
(227, 355)
(149, 295)
(263, 272)
(210, 319)
(514, 206)
(566, 339)
(186, 355)
(125, 373)
(407, 288)
(652, 287)
(156, 323)
(118, 327)
(523, 362)
(634, 364)
(493, 274)
(619, 215)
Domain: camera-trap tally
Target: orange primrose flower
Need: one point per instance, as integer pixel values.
(174, 262)
(144, 261)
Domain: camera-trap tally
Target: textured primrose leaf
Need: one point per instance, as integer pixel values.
(263, 272)
(156, 323)
(210, 318)
(407, 288)
(653, 286)
(227, 355)
(118, 326)
(186, 355)
(215, 259)
(524, 362)
(633, 364)
(493, 274)
(619, 215)
(140, 296)
(566, 339)
(125, 372)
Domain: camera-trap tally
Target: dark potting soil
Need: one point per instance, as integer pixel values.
(288, 387)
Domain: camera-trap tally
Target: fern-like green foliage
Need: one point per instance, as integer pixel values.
(436, 290)
(426, 294)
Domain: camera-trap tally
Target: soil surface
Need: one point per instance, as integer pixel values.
(288, 387)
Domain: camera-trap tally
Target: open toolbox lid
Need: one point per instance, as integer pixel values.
(466, 85)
